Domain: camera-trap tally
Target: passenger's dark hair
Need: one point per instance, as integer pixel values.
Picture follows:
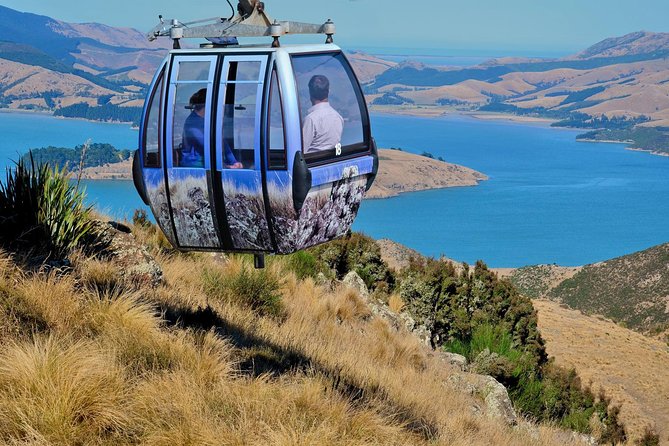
(199, 99)
(319, 87)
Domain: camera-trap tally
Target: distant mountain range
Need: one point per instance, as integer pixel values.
(624, 76)
(617, 89)
(47, 64)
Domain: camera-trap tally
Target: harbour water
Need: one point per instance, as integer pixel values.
(549, 199)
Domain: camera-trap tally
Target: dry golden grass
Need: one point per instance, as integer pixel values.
(395, 303)
(61, 391)
(631, 368)
(108, 368)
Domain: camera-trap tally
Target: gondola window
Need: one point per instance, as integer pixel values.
(153, 126)
(277, 146)
(331, 107)
(191, 114)
(242, 87)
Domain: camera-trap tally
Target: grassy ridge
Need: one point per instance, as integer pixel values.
(184, 364)
(96, 352)
(632, 289)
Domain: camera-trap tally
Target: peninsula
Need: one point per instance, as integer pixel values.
(398, 172)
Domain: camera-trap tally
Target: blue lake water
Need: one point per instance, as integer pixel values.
(549, 199)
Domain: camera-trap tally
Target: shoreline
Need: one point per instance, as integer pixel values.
(442, 111)
(400, 172)
(51, 115)
(652, 152)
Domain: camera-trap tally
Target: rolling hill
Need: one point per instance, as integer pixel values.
(632, 290)
(47, 64)
(617, 88)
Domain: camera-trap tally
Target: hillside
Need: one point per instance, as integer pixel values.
(617, 88)
(46, 64)
(632, 290)
(631, 368)
(201, 349)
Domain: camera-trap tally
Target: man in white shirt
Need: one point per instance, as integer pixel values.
(323, 126)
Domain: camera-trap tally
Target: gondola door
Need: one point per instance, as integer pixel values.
(187, 145)
(238, 150)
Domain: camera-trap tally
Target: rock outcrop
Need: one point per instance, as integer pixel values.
(131, 259)
(492, 392)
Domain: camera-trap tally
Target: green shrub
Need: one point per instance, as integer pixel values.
(41, 211)
(304, 264)
(258, 289)
(355, 252)
(478, 315)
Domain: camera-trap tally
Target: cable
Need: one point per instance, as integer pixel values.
(232, 9)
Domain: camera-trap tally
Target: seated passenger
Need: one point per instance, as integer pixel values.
(323, 125)
(192, 148)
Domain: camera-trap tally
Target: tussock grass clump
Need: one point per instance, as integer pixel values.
(97, 275)
(40, 304)
(258, 289)
(41, 211)
(60, 391)
(149, 234)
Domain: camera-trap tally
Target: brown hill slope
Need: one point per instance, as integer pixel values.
(632, 289)
(631, 368)
(193, 360)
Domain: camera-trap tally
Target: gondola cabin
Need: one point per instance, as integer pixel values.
(260, 149)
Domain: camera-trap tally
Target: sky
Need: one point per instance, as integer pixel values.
(440, 26)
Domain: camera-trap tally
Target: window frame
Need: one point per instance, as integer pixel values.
(171, 93)
(160, 81)
(352, 150)
(222, 87)
(274, 76)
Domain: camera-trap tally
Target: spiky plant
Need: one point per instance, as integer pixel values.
(42, 211)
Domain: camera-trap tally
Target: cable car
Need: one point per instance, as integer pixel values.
(253, 149)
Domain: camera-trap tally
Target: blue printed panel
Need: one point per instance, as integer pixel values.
(328, 211)
(191, 208)
(245, 210)
(335, 172)
(154, 179)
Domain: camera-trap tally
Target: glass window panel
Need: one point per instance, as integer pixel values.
(277, 147)
(190, 142)
(193, 71)
(239, 124)
(152, 130)
(247, 71)
(342, 96)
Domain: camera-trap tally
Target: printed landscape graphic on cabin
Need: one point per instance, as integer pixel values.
(328, 211)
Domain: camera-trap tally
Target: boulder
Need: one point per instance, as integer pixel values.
(133, 261)
(496, 398)
(354, 281)
(380, 309)
(453, 359)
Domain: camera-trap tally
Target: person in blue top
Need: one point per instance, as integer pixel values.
(192, 149)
